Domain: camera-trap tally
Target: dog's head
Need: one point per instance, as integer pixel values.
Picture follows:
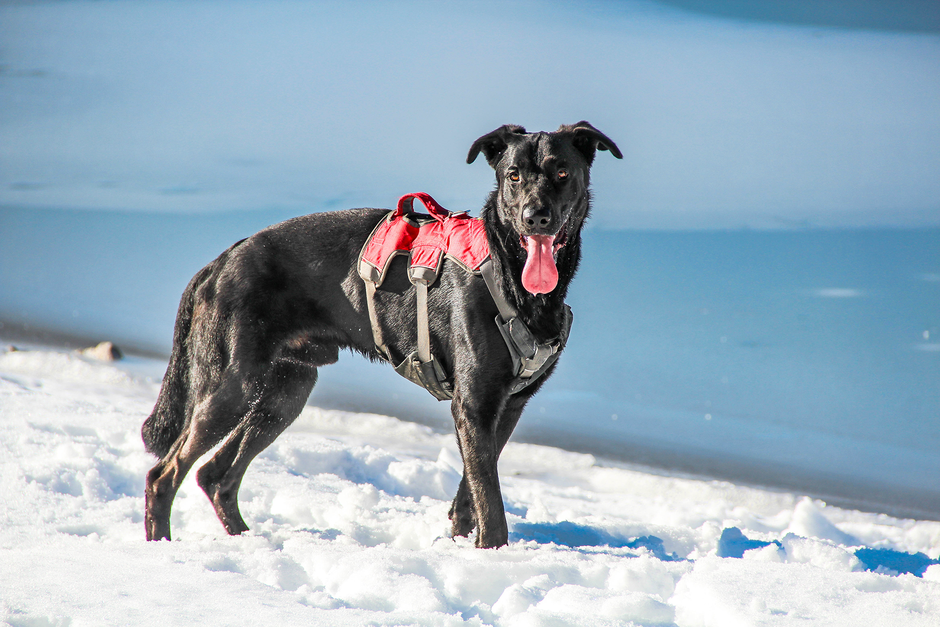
(542, 189)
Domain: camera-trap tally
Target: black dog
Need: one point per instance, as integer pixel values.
(255, 324)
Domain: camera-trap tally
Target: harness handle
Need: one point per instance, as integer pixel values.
(406, 205)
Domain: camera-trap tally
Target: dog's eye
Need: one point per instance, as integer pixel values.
(562, 175)
(514, 177)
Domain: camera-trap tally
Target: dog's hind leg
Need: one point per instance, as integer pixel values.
(285, 392)
(212, 418)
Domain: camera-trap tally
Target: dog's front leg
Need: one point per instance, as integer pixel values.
(476, 419)
(461, 511)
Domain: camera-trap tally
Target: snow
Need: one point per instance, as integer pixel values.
(772, 320)
(348, 517)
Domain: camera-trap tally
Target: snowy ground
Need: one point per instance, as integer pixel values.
(138, 139)
(349, 526)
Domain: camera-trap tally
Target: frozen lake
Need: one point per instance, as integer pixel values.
(806, 360)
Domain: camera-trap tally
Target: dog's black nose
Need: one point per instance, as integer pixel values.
(536, 217)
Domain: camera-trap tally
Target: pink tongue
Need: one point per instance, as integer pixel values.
(539, 276)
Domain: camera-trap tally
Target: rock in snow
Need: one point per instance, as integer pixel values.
(105, 351)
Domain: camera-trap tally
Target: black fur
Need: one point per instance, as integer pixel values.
(255, 324)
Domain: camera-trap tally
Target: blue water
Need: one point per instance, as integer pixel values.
(807, 360)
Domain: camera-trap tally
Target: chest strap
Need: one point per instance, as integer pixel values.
(530, 359)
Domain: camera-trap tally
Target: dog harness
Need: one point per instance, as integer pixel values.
(426, 240)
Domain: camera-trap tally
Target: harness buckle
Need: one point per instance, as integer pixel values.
(531, 359)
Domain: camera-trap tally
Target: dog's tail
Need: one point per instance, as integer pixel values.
(168, 418)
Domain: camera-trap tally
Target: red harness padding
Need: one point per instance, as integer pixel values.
(457, 235)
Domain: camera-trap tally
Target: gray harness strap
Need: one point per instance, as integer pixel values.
(530, 358)
(374, 317)
(421, 366)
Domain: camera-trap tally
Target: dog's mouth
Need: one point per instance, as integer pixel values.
(540, 274)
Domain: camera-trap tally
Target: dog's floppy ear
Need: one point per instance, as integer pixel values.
(587, 139)
(492, 145)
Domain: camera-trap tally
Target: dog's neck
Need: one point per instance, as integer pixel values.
(542, 313)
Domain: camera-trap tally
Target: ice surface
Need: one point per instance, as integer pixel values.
(721, 354)
(301, 106)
